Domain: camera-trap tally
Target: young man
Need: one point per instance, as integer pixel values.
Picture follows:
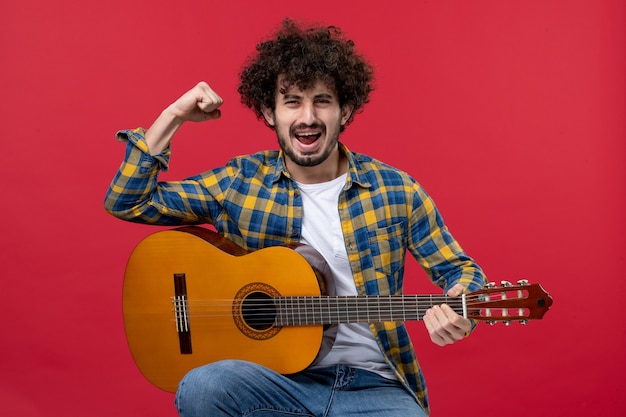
(306, 83)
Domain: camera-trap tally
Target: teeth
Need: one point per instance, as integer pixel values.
(308, 138)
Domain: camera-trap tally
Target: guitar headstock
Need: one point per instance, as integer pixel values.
(508, 303)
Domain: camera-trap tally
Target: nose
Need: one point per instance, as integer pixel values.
(308, 115)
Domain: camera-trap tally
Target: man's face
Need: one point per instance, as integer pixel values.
(308, 123)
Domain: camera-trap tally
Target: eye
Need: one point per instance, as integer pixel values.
(324, 100)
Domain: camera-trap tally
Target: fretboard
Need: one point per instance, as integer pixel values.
(302, 311)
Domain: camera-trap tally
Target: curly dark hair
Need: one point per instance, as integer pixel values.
(303, 55)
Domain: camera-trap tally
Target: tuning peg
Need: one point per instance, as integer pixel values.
(522, 282)
(523, 322)
(507, 322)
(506, 284)
(490, 285)
(491, 322)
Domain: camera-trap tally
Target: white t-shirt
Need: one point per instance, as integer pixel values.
(321, 228)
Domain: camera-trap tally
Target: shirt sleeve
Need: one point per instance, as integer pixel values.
(136, 195)
(438, 252)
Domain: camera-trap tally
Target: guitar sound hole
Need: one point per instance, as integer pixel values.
(258, 311)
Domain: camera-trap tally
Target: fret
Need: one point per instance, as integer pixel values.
(414, 309)
(382, 309)
(339, 309)
(406, 305)
(288, 312)
(403, 309)
(308, 309)
(388, 300)
(283, 311)
(344, 312)
(390, 309)
(352, 306)
(420, 313)
(278, 319)
(293, 310)
(317, 311)
(298, 309)
(301, 302)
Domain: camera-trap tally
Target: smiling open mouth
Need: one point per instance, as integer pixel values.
(307, 138)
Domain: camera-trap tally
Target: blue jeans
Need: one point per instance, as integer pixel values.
(238, 388)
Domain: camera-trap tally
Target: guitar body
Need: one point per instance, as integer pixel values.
(215, 276)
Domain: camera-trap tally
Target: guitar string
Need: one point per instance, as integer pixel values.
(339, 306)
(335, 316)
(316, 300)
(421, 298)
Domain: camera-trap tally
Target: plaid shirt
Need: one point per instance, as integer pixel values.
(254, 202)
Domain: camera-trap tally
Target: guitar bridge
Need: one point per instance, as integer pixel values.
(181, 312)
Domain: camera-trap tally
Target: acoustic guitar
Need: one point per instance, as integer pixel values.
(192, 297)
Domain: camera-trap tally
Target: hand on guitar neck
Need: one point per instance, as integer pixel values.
(444, 325)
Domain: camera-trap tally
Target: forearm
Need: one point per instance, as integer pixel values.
(131, 190)
(459, 268)
(135, 195)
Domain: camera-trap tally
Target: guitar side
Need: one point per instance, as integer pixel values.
(212, 280)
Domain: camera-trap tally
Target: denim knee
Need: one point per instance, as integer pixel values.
(204, 387)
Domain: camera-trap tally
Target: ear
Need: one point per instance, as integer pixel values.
(268, 114)
(346, 112)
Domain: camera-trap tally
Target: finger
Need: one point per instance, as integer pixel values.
(444, 325)
(456, 290)
(212, 115)
(209, 102)
(435, 320)
(458, 325)
(207, 99)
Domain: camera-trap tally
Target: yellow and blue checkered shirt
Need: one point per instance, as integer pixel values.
(253, 201)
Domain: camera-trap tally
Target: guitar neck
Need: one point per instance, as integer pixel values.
(326, 310)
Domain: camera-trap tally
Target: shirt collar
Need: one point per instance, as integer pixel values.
(356, 175)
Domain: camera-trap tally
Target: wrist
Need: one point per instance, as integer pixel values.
(159, 135)
(171, 117)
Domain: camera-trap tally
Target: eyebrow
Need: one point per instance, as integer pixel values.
(324, 95)
(288, 96)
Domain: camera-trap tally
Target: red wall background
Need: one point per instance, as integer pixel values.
(510, 113)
